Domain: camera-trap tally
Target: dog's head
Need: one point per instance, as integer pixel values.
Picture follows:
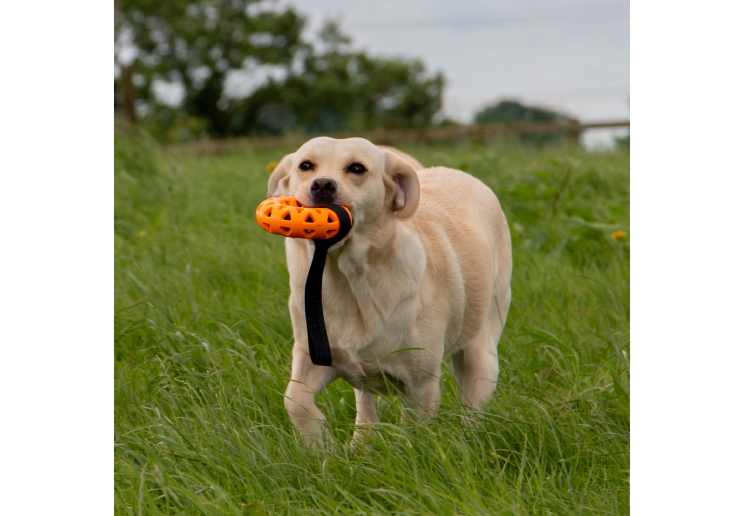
(372, 182)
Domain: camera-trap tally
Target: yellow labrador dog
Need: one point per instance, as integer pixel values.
(424, 274)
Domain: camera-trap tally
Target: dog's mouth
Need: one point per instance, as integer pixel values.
(304, 204)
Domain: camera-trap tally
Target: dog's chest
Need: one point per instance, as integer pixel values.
(366, 373)
(369, 306)
(365, 349)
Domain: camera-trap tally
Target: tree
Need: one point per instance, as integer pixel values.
(338, 89)
(511, 111)
(194, 44)
(197, 45)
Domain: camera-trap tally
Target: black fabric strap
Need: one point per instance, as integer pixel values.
(317, 338)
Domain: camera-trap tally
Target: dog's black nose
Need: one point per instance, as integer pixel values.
(323, 190)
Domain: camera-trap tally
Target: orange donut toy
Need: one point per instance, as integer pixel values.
(285, 216)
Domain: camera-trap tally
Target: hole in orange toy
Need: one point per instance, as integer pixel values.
(287, 216)
(309, 218)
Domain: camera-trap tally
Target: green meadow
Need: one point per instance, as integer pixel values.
(203, 342)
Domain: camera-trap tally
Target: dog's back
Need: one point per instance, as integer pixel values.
(461, 219)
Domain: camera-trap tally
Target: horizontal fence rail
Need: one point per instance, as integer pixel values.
(572, 130)
(454, 132)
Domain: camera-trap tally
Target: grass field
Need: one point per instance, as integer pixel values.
(203, 340)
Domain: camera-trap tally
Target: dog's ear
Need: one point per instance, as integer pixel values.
(279, 180)
(416, 164)
(406, 198)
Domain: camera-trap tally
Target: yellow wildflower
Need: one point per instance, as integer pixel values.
(619, 235)
(142, 233)
(270, 166)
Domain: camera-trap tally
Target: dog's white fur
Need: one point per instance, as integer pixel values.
(424, 274)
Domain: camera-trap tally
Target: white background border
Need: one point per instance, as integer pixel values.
(56, 253)
(687, 186)
(56, 289)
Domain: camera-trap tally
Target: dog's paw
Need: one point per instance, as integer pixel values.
(361, 441)
(320, 442)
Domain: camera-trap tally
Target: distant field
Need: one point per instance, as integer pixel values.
(203, 340)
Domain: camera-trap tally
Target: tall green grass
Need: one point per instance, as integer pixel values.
(203, 339)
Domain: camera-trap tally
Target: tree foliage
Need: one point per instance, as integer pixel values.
(339, 89)
(511, 111)
(195, 46)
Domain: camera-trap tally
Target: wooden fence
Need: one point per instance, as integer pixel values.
(572, 130)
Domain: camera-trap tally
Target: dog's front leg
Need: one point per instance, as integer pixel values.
(307, 380)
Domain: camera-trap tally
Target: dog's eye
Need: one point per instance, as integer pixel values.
(356, 168)
(306, 165)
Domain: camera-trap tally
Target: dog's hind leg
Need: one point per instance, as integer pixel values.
(476, 367)
(366, 415)
(307, 380)
(365, 406)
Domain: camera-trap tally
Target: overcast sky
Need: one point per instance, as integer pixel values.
(569, 54)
